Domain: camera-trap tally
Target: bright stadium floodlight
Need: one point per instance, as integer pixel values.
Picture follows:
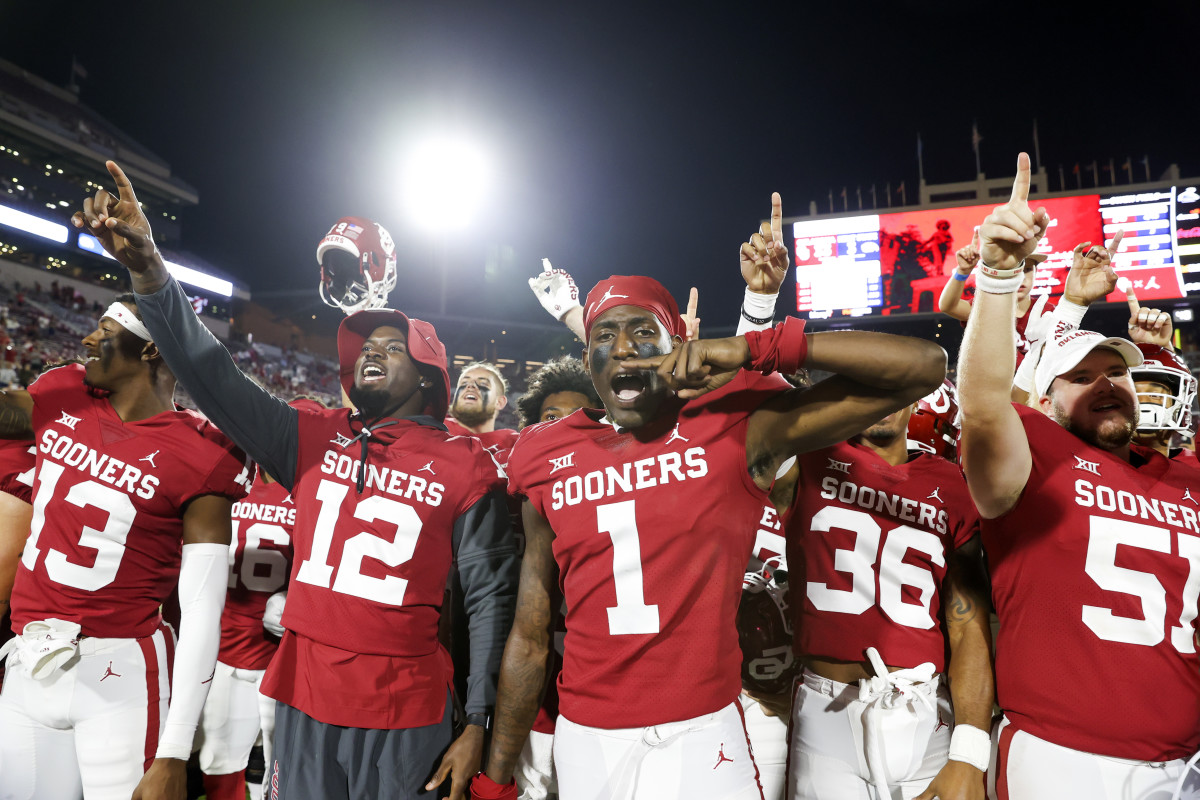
(192, 277)
(445, 180)
(37, 226)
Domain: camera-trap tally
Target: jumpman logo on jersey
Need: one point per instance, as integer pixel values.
(1087, 466)
(1187, 495)
(941, 724)
(935, 496)
(341, 440)
(108, 673)
(675, 435)
(150, 458)
(839, 466)
(428, 468)
(69, 421)
(721, 757)
(562, 462)
(289, 500)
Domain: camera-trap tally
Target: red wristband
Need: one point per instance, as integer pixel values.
(484, 788)
(781, 349)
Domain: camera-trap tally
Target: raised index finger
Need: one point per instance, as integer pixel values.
(776, 218)
(1131, 298)
(1020, 190)
(124, 187)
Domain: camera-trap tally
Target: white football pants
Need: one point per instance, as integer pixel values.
(708, 756)
(91, 728)
(535, 768)
(769, 743)
(1025, 767)
(233, 715)
(847, 743)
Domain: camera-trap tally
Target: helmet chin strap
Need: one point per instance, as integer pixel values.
(375, 424)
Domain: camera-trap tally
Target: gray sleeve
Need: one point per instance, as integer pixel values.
(489, 569)
(264, 426)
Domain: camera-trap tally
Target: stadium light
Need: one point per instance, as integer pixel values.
(445, 181)
(34, 225)
(192, 277)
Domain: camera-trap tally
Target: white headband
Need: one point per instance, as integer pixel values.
(121, 313)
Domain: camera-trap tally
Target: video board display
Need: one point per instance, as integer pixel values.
(898, 263)
(1147, 256)
(1186, 218)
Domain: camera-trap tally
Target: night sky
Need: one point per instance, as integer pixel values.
(640, 138)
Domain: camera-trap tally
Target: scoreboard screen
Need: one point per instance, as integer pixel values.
(1147, 256)
(898, 263)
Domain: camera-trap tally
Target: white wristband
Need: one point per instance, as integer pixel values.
(1069, 313)
(993, 285)
(971, 745)
(759, 305)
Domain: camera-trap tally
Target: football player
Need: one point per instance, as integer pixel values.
(132, 497)
(481, 394)
(649, 509)
(260, 558)
(891, 582)
(1092, 543)
(385, 501)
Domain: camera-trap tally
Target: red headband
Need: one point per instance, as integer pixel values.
(637, 291)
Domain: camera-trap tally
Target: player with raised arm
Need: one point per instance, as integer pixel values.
(649, 509)
(132, 497)
(385, 501)
(1092, 545)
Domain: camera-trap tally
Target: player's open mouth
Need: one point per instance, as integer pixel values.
(372, 372)
(468, 395)
(1103, 407)
(628, 388)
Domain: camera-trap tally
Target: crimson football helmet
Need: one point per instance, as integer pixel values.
(1170, 410)
(765, 630)
(358, 265)
(933, 426)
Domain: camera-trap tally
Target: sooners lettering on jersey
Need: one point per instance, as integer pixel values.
(1096, 576)
(498, 442)
(873, 539)
(369, 571)
(652, 533)
(16, 468)
(260, 557)
(106, 537)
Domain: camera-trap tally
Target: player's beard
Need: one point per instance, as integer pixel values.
(1109, 435)
(470, 418)
(372, 403)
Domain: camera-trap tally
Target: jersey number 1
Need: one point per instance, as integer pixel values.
(630, 614)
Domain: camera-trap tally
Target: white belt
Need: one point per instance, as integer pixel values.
(44, 646)
(888, 690)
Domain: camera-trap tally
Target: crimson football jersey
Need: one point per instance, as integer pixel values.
(652, 532)
(874, 541)
(107, 533)
(260, 557)
(16, 468)
(498, 442)
(1095, 577)
(369, 571)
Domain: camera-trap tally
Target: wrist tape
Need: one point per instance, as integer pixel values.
(781, 349)
(971, 745)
